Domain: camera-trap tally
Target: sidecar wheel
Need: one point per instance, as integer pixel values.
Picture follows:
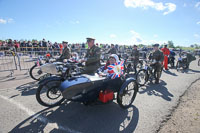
(126, 98)
(49, 95)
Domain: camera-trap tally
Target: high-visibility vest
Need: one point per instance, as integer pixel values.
(86, 45)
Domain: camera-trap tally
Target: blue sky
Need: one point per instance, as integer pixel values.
(109, 21)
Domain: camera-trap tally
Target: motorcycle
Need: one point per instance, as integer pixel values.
(86, 89)
(181, 63)
(148, 73)
(171, 61)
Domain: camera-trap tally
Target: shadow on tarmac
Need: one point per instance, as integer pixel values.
(170, 73)
(27, 89)
(157, 90)
(106, 118)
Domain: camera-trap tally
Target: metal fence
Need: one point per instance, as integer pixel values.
(25, 57)
(7, 61)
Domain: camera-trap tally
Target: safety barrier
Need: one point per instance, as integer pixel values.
(7, 61)
(25, 57)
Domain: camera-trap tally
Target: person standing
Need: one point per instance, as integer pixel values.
(158, 56)
(166, 53)
(92, 58)
(113, 50)
(135, 57)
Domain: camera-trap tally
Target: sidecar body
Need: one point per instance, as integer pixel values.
(86, 88)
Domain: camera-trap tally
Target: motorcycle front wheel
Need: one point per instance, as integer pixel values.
(48, 94)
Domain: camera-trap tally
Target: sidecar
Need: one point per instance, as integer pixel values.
(89, 90)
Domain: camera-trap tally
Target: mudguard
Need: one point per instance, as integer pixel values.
(45, 80)
(127, 81)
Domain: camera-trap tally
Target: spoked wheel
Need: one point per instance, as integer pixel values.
(126, 98)
(49, 95)
(35, 72)
(140, 65)
(142, 77)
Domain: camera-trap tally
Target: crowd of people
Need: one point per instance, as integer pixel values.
(93, 54)
(44, 45)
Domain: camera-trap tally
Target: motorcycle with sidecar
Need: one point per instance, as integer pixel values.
(86, 89)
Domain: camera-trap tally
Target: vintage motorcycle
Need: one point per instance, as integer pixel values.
(181, 63)
(86, 89)
(148, 73)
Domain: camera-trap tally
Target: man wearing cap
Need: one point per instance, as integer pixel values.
(113, 50)
(158, 56)
(92, 58)
(66, 52)
(166, 53)
(135, 57)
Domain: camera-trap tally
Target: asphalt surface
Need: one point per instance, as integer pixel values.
(21, 113)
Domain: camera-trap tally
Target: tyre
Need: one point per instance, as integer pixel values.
(199, 62)
(48, 94)
(178, 66)
(126, 99)
(142, 77)
(35, 72)
(140, 64)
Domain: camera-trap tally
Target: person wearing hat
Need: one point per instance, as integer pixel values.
(113, 59)
(166, 53)
(135, 57)
(158, 57)
(92, 57)
(66, 53)
(113, 50)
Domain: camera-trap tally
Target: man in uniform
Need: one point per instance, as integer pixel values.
(113, 50)
(135, 57)
(92, 58)
(66, 53)
(158, 56)
(166, 53)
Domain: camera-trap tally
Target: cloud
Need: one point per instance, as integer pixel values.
(198, 22)
(10, 20)
(145, 4)
(155, 35)
(113, 36)
(196, 35)
(156, 41)
(75, 22)
(3, 21)
(136, 38)
(197, 4)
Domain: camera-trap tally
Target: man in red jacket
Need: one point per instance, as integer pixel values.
(166, 53)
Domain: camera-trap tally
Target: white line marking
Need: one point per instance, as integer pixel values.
(40, 118)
